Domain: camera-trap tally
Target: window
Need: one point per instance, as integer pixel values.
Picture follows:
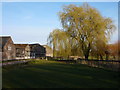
(9, 48)
(17, 50)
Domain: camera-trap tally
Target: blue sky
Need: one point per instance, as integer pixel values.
(31, 22)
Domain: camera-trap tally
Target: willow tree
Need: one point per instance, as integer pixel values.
(99, 49)
(86, 25)
(60, 42)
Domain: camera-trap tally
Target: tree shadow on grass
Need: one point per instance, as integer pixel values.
(59, 75)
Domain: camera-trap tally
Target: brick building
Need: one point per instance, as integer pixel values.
(7, 48)
(22, 51)
(36, 51)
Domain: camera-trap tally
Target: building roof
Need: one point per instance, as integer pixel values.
(36, 44)
(3, 41)
(21, 45)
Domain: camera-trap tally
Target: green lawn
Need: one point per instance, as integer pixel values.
(52, 74)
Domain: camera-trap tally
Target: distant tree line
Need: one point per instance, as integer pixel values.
(85, 32)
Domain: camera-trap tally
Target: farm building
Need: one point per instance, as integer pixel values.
(26, 51)
(36, 51)
(49, 51)
(7, 48)
(22, 51)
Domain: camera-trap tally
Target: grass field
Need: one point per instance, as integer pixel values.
(52, 74)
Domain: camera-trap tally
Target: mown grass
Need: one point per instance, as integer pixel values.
(52, 74)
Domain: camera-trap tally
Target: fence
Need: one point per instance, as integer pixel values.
(108, 64)
(14, 62)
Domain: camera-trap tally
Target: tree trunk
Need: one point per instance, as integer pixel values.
(86, 57)
(53, 51)
(86, 53)
(107, 56)
(101, 57)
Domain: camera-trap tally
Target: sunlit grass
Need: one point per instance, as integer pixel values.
(52, 74)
